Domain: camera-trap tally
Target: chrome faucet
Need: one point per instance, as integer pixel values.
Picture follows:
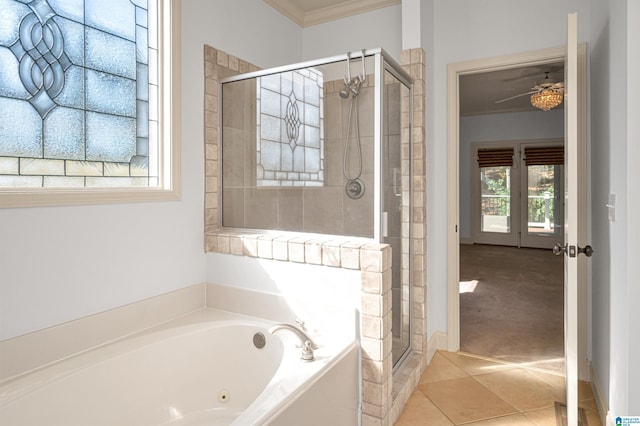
(308, 344)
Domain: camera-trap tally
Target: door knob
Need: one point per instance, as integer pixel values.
(586, 250)
(558, 249)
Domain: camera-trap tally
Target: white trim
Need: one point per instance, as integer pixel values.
(453, 207)
(598, 395)
(608, 420)
(455, 70)
(291, 10)
(438, 341)
(169, 188)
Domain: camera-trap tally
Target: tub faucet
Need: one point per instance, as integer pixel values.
(307, 344)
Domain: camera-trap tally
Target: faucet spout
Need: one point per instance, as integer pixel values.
(308, 345)
(295, 330)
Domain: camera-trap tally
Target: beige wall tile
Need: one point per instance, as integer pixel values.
(250, 243)
(297, 250)
(331, 254)
(265, 247)
(313, 252)
(281, 248)
(376, 271)
(350, 256)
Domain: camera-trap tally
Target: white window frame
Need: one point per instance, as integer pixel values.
(169, 136)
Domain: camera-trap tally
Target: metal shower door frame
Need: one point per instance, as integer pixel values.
(382, 61)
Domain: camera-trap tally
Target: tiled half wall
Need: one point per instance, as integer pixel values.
(383, 394)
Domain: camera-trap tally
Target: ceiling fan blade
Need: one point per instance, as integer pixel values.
(513, 97)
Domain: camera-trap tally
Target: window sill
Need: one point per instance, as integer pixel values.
(65, 197)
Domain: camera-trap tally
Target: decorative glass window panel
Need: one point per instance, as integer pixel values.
(290, 135)
(78, 80)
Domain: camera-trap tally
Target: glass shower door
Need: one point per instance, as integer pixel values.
(396, 164)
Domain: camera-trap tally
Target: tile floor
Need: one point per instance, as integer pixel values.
(461, 389)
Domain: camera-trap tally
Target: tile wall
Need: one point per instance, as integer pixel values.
(383, 394)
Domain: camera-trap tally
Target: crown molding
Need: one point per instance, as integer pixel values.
(289, 9)
(293, 11)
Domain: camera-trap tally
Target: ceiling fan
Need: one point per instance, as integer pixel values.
(545, 95)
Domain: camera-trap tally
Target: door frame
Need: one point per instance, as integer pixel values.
(454, 71)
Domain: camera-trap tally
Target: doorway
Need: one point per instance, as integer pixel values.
(512, 291)
(456, 211)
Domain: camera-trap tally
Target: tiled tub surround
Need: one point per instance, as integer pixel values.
(380, 405)
(176, 331)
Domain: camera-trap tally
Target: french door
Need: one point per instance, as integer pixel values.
(518, 197)
(542, 195)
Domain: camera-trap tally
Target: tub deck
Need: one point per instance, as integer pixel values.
(168, 374)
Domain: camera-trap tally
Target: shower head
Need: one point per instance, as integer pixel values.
(351, 87)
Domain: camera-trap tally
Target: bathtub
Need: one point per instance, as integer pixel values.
(203, 369)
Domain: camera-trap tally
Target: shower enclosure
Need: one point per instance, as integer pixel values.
(324, 147)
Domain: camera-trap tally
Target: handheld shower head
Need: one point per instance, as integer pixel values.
(351, 87)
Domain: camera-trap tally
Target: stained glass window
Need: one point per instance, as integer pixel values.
(290, 135)
(78, 80)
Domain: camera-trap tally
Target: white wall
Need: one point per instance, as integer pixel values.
(464, 31)
(615, 134)
(61, 263)
(249, 29)
(310, 290)
(517, 126)
(378, 28)
(633, 204)
(601, 185)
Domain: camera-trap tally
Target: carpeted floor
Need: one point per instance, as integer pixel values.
(511, 304)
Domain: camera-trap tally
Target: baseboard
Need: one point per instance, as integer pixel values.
(601, 400)
(437, 341)
(609, 421)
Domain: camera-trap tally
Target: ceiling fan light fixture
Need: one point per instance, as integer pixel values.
(547, 98)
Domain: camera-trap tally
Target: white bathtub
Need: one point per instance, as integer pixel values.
(200, 370)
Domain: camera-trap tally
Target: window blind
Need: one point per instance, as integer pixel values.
(544, 156)
(495, 157)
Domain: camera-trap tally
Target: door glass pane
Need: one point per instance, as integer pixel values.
(495, 208)
(544, 200)
(396, 153)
